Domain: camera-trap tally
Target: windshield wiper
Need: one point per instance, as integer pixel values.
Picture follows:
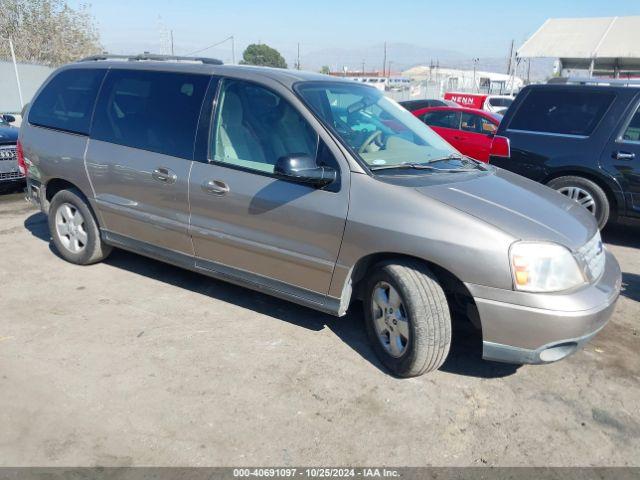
(420, 166)
(455, 156)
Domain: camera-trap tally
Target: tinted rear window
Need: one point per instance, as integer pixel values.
(66, 102)
(418, 104)
(442, 118)
(562, 111)
(500, 102)
(155, 111)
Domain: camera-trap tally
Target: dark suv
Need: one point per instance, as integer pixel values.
(581, 140)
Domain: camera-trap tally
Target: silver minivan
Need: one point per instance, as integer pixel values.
(317, 190)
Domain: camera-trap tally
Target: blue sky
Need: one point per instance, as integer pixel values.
(479, 28)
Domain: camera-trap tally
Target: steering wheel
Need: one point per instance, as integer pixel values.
(370, 139)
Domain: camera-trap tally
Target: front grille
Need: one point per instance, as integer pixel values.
(592, 254)
(9, 163)
(8, 152)
(11, 176)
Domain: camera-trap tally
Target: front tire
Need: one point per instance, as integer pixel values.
(586, 193)
(407, 318)
(74, 229)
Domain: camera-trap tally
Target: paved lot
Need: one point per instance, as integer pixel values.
(133, 362)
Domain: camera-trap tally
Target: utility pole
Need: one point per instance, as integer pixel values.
(510, 57)
(15, 67)
(475, 65)
(384, 60)
(363, 67)
(172, 52)
(233, 50)
(513, 77)
(298, 60)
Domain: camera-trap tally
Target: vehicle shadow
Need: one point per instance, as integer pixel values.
(631, 286)
(464, 357)
(622, 235)
(625, 236)
(11, 188)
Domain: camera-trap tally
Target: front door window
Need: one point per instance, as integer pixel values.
(255, 127)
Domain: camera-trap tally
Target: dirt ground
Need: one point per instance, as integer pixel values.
(133, 362)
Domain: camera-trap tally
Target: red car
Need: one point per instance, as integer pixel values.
(468, 130)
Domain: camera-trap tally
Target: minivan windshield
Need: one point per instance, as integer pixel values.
(374, 127)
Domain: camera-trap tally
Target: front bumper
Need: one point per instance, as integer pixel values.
(519, 327)
(34, 192)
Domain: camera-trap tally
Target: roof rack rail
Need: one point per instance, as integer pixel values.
(619, 82)
(152, 57)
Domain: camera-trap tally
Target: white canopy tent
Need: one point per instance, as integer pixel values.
(604, 45)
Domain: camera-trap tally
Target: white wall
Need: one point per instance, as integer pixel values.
(31, 77)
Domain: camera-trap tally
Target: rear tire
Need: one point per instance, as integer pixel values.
(74, 229)
(421, 302)
(586, 193)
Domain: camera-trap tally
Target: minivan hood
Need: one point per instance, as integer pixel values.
(518, 206)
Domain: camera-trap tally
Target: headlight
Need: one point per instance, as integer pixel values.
(544, 267)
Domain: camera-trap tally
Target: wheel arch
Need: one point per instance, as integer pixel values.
(55, 185)
(458, 296)
(614, 194)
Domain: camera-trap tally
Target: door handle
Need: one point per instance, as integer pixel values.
(624, 155)
(215, 187)
(164, 175)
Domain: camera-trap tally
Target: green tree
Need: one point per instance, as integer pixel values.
(325, 69)
(262, 55)
(48, 32)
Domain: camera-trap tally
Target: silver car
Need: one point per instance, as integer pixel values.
(320, 191)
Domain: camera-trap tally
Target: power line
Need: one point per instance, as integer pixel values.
(211, 46)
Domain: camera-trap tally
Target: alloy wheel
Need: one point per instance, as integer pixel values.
(70, 228)
(390, 319)
(581, 196)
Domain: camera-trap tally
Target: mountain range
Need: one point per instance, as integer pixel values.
(402, 56)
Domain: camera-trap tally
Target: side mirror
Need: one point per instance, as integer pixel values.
(9, 118)
(299, 167)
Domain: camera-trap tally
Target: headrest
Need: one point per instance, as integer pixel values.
(232, 109)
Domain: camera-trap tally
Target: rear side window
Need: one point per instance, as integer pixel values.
(66, 102)
(444, 119)
(562, 111)
(155, 111)
(476, 124)
(632, 132)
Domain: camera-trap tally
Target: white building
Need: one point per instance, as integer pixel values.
(601, 46)
(438, 80)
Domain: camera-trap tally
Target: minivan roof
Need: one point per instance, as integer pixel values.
(284, 76)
